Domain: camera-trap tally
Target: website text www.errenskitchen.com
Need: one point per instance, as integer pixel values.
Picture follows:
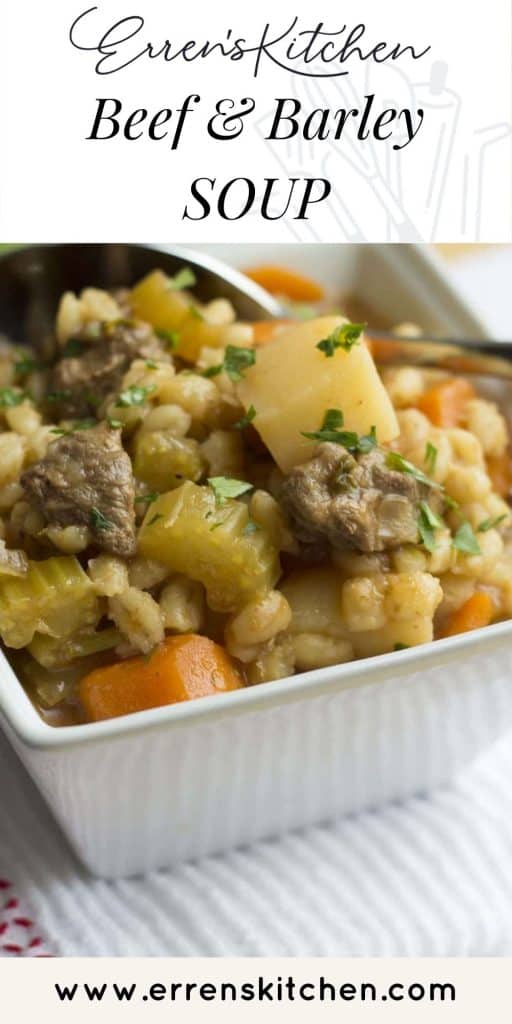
(260, 990)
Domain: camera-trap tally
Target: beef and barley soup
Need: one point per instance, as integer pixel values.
(191, 504)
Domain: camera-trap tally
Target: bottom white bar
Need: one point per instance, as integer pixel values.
(224, 990)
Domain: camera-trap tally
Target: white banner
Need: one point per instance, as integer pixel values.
(263, 122)
(224, 990)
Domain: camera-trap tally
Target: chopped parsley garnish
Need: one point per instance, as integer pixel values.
(330, 431)
(367, 441)
(10, 398)
(465, 540)
(74, 347)
(183, 279)
(195, 312)
(58, 396)
(171, 338)
(333, 419)
(450, 502)
(134, 395)
(245, 420)
(396, 461)
(345, 336)
(77, 425)
(430, 456)
(115, 424)
(491, 524)
(151, 365)
(87, 424)
(428, 523)
(401, 647)
(147, 499)
(26, 364)
(225, 487)
(235, 361)
(155, 518)
(99, 521)
(92, 399)
(122, 321)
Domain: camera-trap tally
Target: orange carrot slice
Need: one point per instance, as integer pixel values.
(476, 612)
(182, 668)
(289, 283)
(499, 468)
(267, 330)
(383, 351)
(445, 403)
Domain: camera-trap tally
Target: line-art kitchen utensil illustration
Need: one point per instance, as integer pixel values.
(332, 94)
(394, 89)
(297, 157)
(361, 156)
(442, 107)
(446, 166)
(473, 199)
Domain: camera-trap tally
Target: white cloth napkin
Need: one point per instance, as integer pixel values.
(432, 877)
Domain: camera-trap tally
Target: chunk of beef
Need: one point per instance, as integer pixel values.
(86, 479)
(79, 382)
(353, 502)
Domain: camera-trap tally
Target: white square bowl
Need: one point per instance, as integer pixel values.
(145, 791)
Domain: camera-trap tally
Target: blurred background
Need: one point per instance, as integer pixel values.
(483, 273)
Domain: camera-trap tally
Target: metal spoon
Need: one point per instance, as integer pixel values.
(33, 278)
(460, 355)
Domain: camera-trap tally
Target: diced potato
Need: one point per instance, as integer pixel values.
(55, 597)
(314, 596)
(292, 384)
(163, 307)
(195, 333)
(170, 310)
(188, 531)
(163, 461)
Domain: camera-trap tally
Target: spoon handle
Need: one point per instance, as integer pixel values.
(459, 355)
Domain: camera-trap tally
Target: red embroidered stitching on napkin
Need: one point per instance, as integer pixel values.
(19, 935)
